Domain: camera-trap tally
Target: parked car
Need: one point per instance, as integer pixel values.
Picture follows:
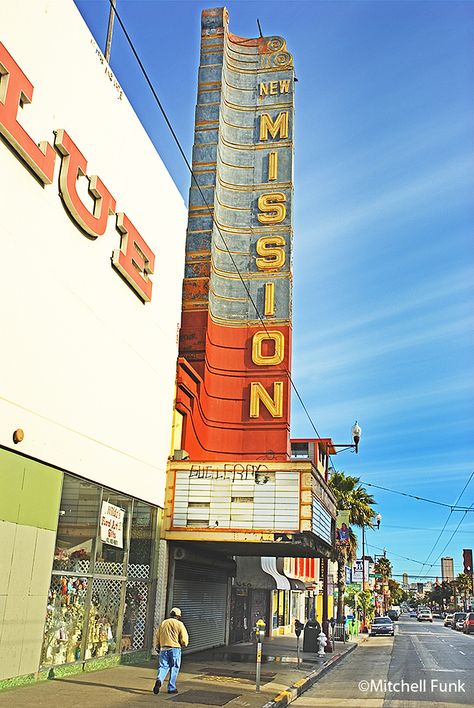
(448, 619)
(425, 616)
(469, 623)
(413, 613)
(393, 614)
(458, 621)
(382, 625)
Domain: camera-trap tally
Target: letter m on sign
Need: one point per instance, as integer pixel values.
(275, 128)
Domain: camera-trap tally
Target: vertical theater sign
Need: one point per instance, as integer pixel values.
(233, 388)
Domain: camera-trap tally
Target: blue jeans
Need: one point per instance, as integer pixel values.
(169, 660)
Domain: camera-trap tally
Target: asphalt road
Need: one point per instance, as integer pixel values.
(423, 663)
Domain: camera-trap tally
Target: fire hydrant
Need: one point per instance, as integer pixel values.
(322, 641)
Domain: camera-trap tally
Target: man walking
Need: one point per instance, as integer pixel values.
(171, 636)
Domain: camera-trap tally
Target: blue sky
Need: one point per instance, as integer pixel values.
(383, 248)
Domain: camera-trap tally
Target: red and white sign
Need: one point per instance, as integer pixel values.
(111, 524)
(134, 260)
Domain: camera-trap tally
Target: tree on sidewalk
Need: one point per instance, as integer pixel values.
(350, 496)
(464, 586)
(384, 567)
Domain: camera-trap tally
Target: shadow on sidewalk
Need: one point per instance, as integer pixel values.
(95, 684)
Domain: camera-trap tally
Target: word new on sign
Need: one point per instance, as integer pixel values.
(271, 258)
(134, 259)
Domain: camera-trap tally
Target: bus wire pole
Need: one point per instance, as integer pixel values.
(110, 29)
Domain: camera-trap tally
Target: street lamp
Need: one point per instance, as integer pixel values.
(356, 433)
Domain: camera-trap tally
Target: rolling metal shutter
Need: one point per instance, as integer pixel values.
(201, 594)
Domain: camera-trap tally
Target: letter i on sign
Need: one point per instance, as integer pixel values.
(272, 166)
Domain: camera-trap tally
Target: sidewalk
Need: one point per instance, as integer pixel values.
(218, 677)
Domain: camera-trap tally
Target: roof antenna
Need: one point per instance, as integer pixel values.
(259, 28)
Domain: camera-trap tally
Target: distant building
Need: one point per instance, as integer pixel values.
(405, 581)
(447, 569)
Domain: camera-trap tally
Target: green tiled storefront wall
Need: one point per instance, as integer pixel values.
(30, 492)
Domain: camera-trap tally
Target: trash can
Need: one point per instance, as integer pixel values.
(312, 629)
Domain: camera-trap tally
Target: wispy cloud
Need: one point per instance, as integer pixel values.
(431, 189)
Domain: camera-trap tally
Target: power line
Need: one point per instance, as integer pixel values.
(447, 520)
(390, 553)
(453, 507)
(452, 535)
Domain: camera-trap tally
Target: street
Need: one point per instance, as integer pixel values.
(423, 663)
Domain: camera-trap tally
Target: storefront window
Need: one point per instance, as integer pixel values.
(103, 618)
(65, 616)
(134, 620)
(295, 609)
(274, 609)
(100, 588)
(141, 541)
(77, 526)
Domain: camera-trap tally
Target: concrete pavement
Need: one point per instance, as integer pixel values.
(423, 664)
(224, 676)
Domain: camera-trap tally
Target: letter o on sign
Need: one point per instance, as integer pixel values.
(272, 359)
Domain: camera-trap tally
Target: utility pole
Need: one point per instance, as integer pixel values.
(363, 576)
(110, 30)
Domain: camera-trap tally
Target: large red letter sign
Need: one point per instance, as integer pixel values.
(73, 165)
(134, 259)
(16, 90)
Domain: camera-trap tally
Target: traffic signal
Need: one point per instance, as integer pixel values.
(467, 560)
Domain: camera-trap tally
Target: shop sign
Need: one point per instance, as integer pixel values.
(237, 496)
(134, 259)
(111, 524)
(358, 572)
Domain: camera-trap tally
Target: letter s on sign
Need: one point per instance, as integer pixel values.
(273, 208)
(271, 251)
(134, 259)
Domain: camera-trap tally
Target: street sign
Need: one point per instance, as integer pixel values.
(354, 586)
(375, 575)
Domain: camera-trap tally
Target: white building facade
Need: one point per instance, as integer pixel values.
(92, 235)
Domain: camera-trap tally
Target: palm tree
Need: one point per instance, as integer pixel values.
(350, 496)
(463, 584)
(384, 566)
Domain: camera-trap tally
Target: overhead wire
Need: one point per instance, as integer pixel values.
(453, 507)
(447, 520)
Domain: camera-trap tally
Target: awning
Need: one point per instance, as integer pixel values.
(295, 583)
(253, 573)
(269, 566)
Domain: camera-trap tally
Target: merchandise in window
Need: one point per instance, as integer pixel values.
(65, 617)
